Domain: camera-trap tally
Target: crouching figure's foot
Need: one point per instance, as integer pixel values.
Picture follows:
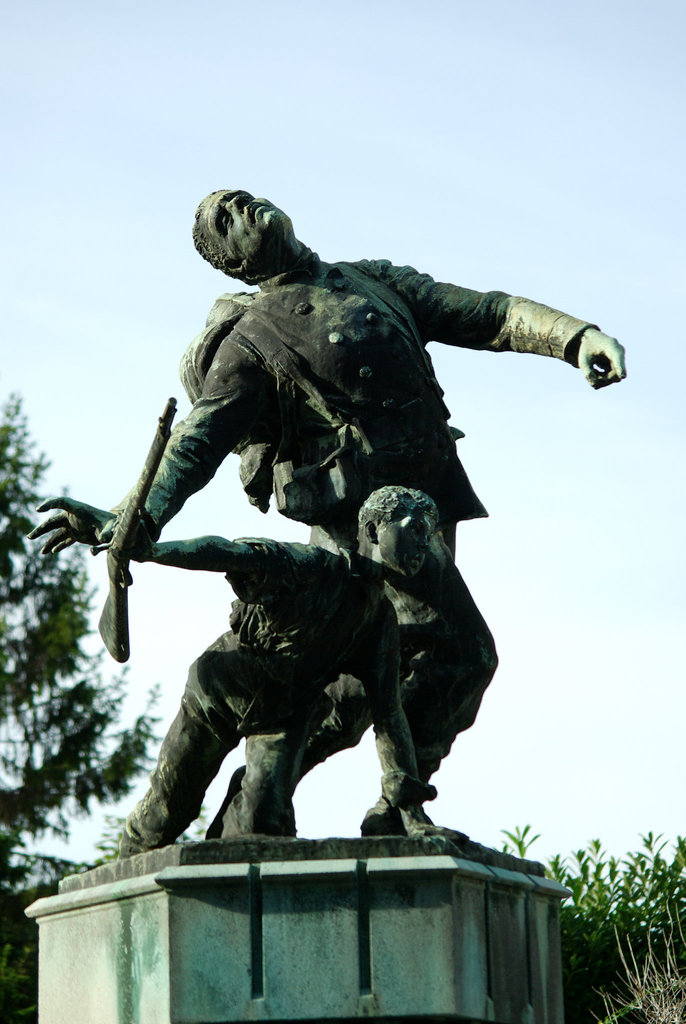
(145, 829)
(418, 823)
(129, 845)
(383, 820)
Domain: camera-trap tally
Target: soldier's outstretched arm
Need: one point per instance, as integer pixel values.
(233, 399)
(500, 322)
(529, 326)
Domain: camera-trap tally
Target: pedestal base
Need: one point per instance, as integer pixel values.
(193, 935)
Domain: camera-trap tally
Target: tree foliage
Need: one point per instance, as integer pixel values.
(613, 900)
(59, 748)
(61, 745)
(24, 878)
(636, 902)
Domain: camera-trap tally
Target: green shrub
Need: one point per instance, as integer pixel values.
(637, 901)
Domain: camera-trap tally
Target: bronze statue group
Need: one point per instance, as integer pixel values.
(320, 380)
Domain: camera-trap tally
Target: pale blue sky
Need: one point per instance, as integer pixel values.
(530, 147)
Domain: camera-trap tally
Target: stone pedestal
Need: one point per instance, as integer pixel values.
(219, 932)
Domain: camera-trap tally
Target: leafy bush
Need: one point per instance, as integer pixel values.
(635, 900)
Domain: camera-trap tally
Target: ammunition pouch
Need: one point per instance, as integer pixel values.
(315, 493)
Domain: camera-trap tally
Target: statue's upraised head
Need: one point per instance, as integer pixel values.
(244, 237)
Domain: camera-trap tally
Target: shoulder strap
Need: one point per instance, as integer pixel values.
(227, 311)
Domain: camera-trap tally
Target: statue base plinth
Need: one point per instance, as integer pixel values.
(300, 930)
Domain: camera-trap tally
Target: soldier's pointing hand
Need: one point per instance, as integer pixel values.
(601, 359)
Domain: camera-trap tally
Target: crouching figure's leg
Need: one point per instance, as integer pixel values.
(201, 735)
(264, 804)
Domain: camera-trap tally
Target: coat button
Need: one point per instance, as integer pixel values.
(336, 338)
(303, 308)
(371, 318)
(365, 371)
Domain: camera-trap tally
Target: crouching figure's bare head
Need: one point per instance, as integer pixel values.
(396, 527)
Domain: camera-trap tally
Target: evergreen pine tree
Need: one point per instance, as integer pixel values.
(61, 745)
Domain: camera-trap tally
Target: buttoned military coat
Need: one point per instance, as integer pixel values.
(321, 382)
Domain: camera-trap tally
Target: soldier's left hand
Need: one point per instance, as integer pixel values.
(75, 522)
(601, 359)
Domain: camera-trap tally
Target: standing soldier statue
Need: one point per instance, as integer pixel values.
(321, 382)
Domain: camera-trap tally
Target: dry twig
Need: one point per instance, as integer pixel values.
(653, 992)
